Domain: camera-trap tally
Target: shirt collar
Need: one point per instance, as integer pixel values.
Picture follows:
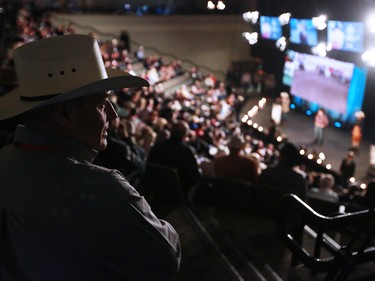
(70, 146)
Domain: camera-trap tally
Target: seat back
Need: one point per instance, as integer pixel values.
(233, 194)
(267, 199)
(324, 207)
(162, 188)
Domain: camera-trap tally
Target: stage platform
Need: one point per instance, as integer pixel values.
(300, 130)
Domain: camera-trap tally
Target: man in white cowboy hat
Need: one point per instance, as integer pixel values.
(63, 218)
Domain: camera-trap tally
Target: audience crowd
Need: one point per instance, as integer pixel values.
(194, 129)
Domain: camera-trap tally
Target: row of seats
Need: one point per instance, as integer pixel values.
(255, 199)
(346, 237)
(161, 185)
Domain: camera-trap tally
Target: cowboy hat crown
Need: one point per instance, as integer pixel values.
(60, 68)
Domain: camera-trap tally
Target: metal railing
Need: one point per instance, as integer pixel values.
(358, 228)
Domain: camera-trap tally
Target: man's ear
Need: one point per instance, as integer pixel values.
(62, 114)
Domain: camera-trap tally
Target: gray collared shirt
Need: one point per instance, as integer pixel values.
(63, 218)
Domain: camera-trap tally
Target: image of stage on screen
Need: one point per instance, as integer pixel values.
(345, 36)
(302, 31)
(322, 82)
(270, 28)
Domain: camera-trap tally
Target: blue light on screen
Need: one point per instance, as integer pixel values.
(302, 31)
(345, 35)
(270, 28)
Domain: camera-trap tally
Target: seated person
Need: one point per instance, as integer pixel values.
(62, 217)
(324, 191)
(121, 153)
(286, 174)
(236, 166)
(177, 153)
(365, 198)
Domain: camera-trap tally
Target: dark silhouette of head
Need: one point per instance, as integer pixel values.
(179, 130)
(289, 154)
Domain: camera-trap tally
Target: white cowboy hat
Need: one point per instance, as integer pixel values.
(60, 68)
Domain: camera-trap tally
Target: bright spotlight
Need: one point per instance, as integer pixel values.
(246, 16)
(284, 18)
(371, 22)
(328, 166)
(262, 102)
(320, 22)
(210, 5)
(251, 17)
(352, 179)
(246, 35)
(281, 43)
(369, 57)
(320, 50)
(302, 152)
(252, 38)
(363, 186)
(220, 5)
(322, 156)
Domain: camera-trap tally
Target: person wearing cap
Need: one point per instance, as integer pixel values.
(62, 217)
(285, 173)
(234, 165)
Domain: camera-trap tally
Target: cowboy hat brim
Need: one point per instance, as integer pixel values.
(11, 104)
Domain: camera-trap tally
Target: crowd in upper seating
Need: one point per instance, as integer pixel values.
(194, 129)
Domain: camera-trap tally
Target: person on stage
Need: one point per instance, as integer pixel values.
(321, 121)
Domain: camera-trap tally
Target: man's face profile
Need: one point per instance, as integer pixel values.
(90, 121)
